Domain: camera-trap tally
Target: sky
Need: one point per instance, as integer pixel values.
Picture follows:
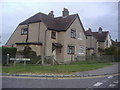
(92, 14)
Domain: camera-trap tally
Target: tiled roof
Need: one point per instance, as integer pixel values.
(48, 21)
(99, 36)
(88, 32)
(65, 22)
(57, 23)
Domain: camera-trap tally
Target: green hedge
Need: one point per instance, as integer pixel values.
(7, 50)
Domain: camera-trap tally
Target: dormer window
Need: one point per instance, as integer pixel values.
(73, 33)
(24, 31)
(53, 35)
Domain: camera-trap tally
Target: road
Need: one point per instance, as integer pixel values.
(110, 81)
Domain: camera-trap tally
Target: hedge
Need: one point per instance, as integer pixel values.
(7, 50)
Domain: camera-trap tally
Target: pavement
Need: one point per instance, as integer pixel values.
(98, 72)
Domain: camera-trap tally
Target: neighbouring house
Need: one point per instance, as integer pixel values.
(62, 37)
(97, 41)
(115, 43)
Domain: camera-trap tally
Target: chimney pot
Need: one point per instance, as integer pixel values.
(51, 14)
(90, 29)
(65, 12)
(100, 30)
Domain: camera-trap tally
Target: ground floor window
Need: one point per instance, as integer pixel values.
(71, 49)
(81, 50)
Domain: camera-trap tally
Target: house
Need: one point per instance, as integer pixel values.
(97, 41)
(62, 37)
(115, 43)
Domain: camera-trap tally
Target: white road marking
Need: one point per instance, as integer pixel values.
(97, 84)
(115, 82)
(110, 77)
(111, 85)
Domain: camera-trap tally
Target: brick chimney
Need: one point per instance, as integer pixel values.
(100, 30)
(90, 29)
(51, 14)
(65, 12)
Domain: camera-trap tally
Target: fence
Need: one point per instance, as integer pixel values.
(51, 60)
(104, 58)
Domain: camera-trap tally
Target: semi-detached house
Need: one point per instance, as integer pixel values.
(47, 35)
(96, 41)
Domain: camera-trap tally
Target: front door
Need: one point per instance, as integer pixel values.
(54, 53)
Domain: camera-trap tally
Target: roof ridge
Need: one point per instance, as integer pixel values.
(52, 23)
(102, 31)
(64, 16)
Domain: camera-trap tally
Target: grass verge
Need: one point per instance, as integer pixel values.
(56, 69)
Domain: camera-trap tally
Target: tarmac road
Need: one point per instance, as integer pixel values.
(107, 77)
(110, 81)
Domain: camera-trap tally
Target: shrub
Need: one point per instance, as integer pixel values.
(34, 60)
(29, 53)
(113, 50)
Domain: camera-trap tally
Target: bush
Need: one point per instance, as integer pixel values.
(7, 50)
(28, 53)
(34, 60)
(113, 50)
(48, 59)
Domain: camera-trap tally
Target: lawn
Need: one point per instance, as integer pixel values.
(55, 69)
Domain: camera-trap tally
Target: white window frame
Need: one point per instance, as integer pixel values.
(70, 49)
(79, 35)
(73, 33)
(81, 47)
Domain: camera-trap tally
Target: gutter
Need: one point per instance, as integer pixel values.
(27, 32)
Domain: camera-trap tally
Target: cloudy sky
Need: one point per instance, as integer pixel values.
(92, 14)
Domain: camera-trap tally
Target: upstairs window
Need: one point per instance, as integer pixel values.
(73, 33)
(24, 31)
(71, 50)
(79, 35)
(53, 35)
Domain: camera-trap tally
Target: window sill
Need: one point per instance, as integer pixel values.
(73, 37)
(23, 34)
(53, 38)
(80, 53)
(79, 38)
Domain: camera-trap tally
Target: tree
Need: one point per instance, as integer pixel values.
(113, 50)
(101, 51)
